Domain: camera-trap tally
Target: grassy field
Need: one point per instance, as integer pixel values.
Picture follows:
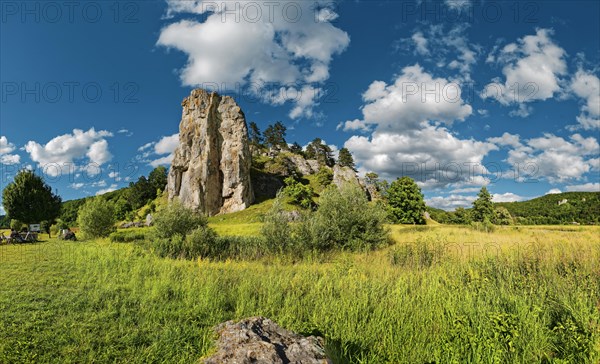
(440, 294)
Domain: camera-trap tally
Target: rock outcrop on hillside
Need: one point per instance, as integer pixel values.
(342, 175)
(210, 171)
(260, 340)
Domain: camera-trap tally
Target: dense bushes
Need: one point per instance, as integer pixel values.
(182, 233)
(96, 218)
(344, 220)
(298, 193)
(16, 224)
(198, 243)
(176, 219)
(128, 236)
(276, 229)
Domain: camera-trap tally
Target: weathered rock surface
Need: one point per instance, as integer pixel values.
(314, 165)
(210, 171)
(260, 340)
(343, 175)
(302, 164)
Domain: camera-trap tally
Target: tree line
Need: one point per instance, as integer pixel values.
(274, 138)
(29, 200)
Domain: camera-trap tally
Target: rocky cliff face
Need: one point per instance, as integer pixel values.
(210, 171)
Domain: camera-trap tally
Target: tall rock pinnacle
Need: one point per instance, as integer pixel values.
(210, 171)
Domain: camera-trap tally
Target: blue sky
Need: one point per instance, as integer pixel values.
(456, 94)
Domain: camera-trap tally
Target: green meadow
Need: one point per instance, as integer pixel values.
(438, 294)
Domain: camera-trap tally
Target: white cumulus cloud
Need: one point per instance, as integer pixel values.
(552, 157)
(532, 70)
(246, 43)
(409, 138)
(111, 188)
(587, 187)
(451, 202)
(586, 86)
(6, 148)
(63, 150)
(162, 150)
(506, 197)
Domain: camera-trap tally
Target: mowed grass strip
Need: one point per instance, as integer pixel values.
(421, 300)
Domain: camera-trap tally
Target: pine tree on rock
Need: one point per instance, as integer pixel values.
(321, 152)
(256, 138)
(345, 158)
(274, 135)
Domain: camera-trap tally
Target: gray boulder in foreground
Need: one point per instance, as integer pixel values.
(260, 340)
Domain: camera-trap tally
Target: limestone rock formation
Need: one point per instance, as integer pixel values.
(302, 164)
(210, 171)
(343, 175)
(260, 340)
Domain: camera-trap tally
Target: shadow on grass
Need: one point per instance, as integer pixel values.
(340, 352)
(344, 352)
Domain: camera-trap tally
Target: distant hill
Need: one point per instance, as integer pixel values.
(560, 208)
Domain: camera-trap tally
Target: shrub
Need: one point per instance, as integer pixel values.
(16, 224)
(199, 243)
(300, 194)
(485, 226)
(276, 228)
(503, 216)
(61, 224)
(345, 219)
(241, 247)
(96, 218)
(325, 176)
(176, 219)
(127, 236)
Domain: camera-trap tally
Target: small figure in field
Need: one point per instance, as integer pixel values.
(15, 236)
(68, 235)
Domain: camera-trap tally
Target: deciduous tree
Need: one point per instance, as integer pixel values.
(406, 202)
(29, 199)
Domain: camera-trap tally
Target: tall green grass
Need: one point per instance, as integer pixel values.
(416, 302)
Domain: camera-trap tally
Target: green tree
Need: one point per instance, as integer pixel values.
(276, 227)
(296, 148)
(345, 158)
(275, 135)
(483, 207)
(256, 138)
(16, 225)
(321, 152)
(372, 178)
(140, 192)
(461, 216)
(29, 199)
(158, 179)
(503, 216)
(299, 194)
(122, 207)
(325, 176)
(96, 218)
(405, 201)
